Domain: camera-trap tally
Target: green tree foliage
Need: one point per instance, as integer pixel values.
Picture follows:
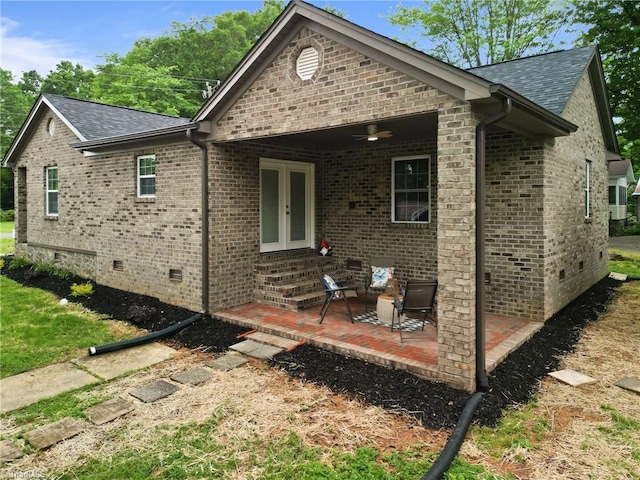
(14, 108)
(69, 80)
(478, 32)
(615, 26)
(184, 61)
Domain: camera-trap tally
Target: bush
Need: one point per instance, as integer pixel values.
(81, 289)
(7, 216)
(18, 262)
(51, 269)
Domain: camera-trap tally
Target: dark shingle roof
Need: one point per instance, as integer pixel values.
(97, 120)
(547, 79)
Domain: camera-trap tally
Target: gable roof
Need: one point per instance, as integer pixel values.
(636, 192)
(549, 80)
(440, 75)
(90, 121)
(621, 169)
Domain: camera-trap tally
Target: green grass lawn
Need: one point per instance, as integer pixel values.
(624, 262)
(37, 331)
(6, 244)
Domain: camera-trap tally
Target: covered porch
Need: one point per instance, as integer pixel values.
(376, 344)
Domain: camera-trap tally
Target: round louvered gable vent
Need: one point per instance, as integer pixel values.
(307, 63)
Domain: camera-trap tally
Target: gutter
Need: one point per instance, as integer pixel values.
(204, 189)
(482, 382)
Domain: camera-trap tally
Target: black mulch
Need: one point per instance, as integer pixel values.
(437, 405)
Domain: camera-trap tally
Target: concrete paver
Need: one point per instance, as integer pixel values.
(630, 383)
(274, 340)
(255, 349)
(109, 410)
(194, 376)
(47, 435)
(572, 377)
(29, 387)
(228, 361)
(154, 391)
(113, 364)
(9, 452)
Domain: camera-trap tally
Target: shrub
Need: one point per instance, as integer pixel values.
(51, 269)
(19, 262)
(140, 313)
(7, 216)
(81, 289)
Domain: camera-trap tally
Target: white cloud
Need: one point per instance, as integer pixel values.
(21, 54)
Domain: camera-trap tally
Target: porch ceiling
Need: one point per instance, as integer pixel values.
(404, 129)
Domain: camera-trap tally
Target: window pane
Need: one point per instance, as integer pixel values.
(147, 166)
(298, 207)
(612, 195)
(147, 186)
(411, 190)
(52, 179)
(270, 208)
(52, 203)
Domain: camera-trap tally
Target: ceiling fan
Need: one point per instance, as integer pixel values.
(373, 134)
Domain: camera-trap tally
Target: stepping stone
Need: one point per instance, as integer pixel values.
(618, 276)
(281, 342)
(9, 452)
(195, 376)
(154, 391)
(113, 364)
(630, 383)
(29, 387)
(572, 377)
(47, 435)
(228, 361)
(109, 410)
(255, 349)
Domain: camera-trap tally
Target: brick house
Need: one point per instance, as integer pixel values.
(284, 152)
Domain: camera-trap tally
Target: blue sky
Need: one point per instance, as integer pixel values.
(37, 35)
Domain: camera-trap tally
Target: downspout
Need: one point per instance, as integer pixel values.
(442, 463)
(482, 382)
(204, 181)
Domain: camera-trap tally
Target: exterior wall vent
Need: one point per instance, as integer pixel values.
(57, 257)
(307, 63)
(175, 275)
(118, 265)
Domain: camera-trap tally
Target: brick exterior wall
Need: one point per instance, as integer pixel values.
(101, 218)
(572, 244)
(514, 225)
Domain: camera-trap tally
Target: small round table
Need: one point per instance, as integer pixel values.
(385, 308)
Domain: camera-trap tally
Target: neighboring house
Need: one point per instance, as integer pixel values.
(636, 195)
(620, 177)
(284, 152)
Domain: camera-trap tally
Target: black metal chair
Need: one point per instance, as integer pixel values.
(372, 281)
(419, 299)
(335, 291)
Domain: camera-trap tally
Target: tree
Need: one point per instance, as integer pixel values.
(196, 53)
(69, 80)
(14, 108)
(471, 33)
(615, 26)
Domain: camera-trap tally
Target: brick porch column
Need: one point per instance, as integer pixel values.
(456, 246)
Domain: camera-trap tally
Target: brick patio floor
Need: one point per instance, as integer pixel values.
(373, 343)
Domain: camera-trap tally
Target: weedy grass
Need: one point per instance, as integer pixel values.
(7, 227)
(37, 331)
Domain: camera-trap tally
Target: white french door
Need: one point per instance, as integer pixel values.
(286, 205)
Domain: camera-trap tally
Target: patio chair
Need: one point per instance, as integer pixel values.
(419, 299)
(381, 269)
(335, 291)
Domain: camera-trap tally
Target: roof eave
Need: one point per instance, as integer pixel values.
(132, 137)
(596, 74)
(559, 125)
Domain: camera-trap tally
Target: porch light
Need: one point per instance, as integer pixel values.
(372, 138)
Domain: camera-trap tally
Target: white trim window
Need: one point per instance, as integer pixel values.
(146, 175)
(587, 189)
(52, 191)
(410, 189)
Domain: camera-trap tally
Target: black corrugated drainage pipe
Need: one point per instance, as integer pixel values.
(204, 207)
(159, 335)
(441, 465)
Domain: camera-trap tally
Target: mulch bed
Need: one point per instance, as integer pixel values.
(437, 405)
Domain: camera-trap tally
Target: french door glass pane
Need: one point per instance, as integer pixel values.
(297, 206)
(270, 210)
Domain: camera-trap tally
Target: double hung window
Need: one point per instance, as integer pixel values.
(410, 192)
(146, 173)
(52, 191)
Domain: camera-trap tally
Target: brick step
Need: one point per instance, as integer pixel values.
(294, 276)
